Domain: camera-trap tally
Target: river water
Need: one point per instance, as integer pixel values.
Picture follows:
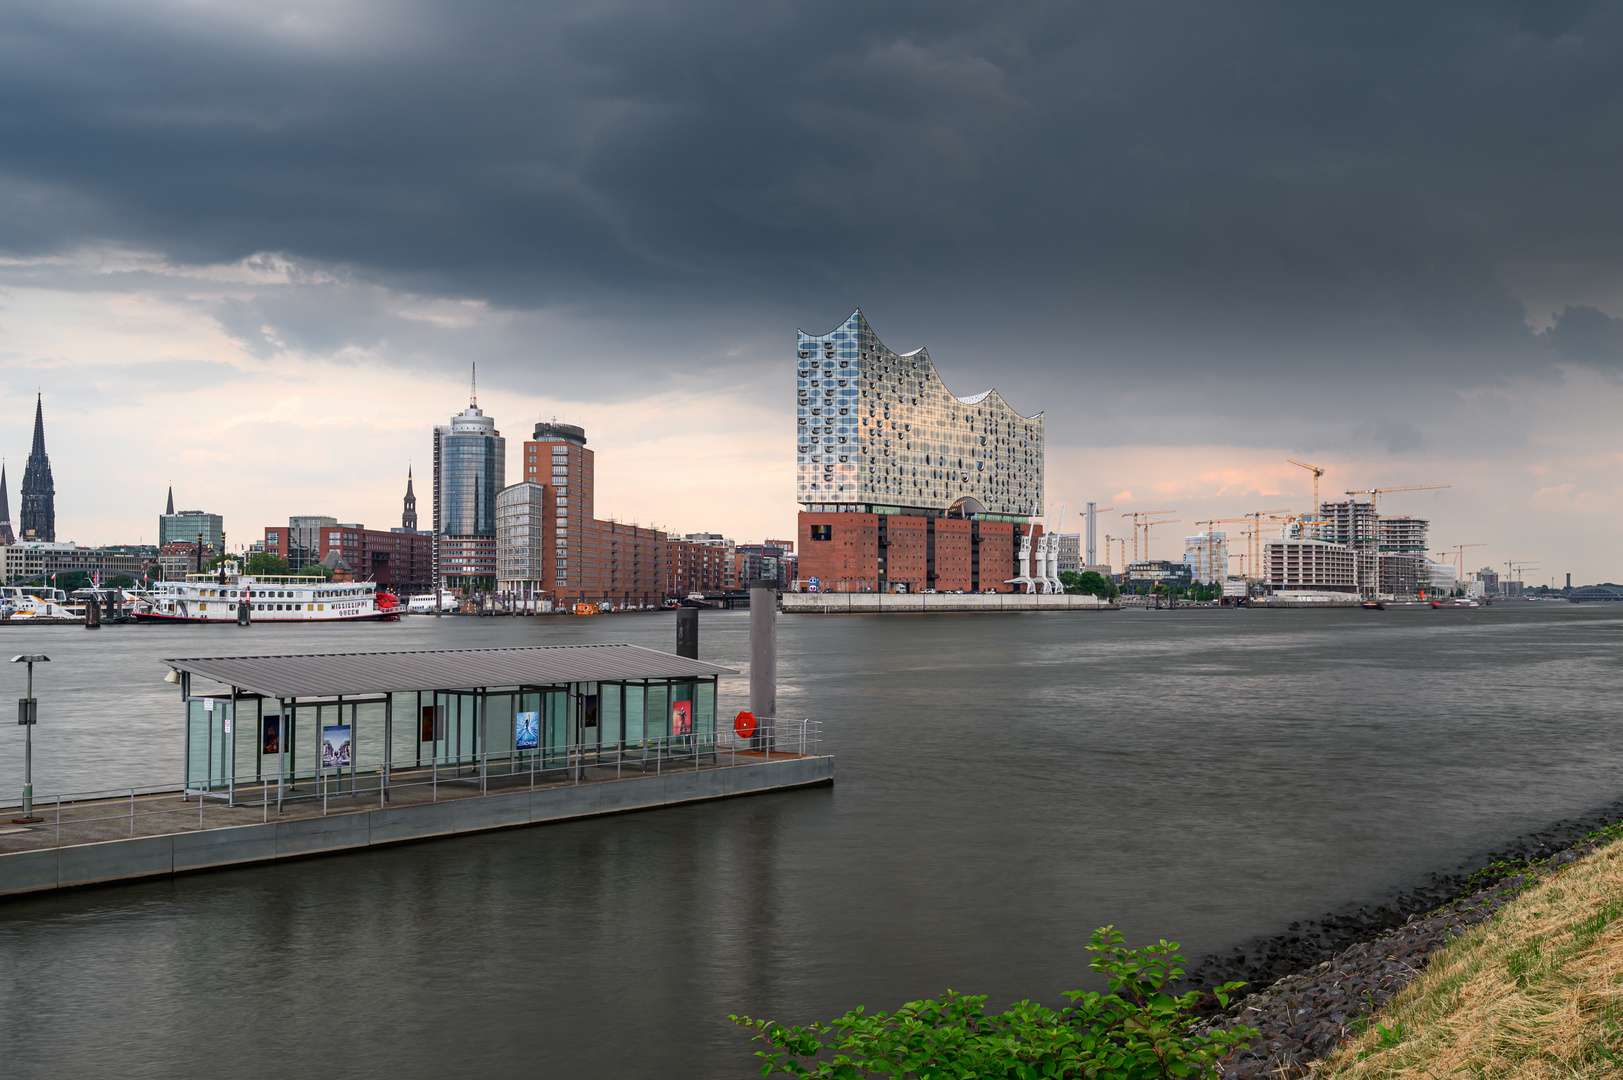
(1004, 784)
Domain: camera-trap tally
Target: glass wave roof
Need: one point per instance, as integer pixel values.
(880, 429)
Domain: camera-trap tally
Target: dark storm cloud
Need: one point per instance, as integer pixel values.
(1197, 189)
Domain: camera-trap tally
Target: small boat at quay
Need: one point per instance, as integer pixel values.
(430, 603)
(37, 605)
(204, 598)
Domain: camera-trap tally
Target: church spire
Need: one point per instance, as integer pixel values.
(5, 510)
(408, 518)
(38, 489)
(169, 511)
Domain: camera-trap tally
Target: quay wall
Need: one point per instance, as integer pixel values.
(177, 853)
(914, 603)
(1304, 602)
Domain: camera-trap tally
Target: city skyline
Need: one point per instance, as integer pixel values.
(1201, 242)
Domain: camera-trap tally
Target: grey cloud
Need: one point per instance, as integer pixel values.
(1586, 335)
(1187, 189)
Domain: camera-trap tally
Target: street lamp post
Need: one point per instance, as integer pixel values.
(27, 717)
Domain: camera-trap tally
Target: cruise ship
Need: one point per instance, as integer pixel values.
(210, 598)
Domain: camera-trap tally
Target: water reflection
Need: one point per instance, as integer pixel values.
(1005, 784)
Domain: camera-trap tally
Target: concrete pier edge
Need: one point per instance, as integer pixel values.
(144, 857)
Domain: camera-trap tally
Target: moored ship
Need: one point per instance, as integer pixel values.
(205, 598)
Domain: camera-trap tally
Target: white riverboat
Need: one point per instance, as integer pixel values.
(205, 598)
(430, 603)
(36, 604)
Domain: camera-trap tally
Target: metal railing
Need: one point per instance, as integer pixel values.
(126, 812)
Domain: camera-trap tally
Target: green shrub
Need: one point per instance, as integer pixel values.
(1136, 1031)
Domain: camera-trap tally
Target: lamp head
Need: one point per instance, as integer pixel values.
(30, 658)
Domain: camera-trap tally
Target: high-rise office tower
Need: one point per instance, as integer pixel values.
(470, 467)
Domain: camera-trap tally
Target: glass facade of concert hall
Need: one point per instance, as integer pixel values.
(880, 432)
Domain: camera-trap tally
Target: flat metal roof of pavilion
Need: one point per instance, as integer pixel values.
(348, 674)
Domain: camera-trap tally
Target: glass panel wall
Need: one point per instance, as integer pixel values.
(610, 708)
(704, 713)
(656, 717)
(634, 699)
(208, 745)
(555, 731)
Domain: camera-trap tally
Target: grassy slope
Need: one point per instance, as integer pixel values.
(1535, 993)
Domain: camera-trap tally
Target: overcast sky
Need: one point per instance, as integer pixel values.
(251, 249)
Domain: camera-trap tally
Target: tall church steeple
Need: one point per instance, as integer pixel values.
(169, 511)
(38, 490)
(408, 519)
(5, 511)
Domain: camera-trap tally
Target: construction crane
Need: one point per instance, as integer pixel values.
(1209, 522)
(1317, 472)
(1139, 517)
(1122, 540)
(1147, 525)
(1459, 560)
(1253, 545)
(1376, 493)
(1513, 569)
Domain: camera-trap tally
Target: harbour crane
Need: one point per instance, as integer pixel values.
(1317, 472)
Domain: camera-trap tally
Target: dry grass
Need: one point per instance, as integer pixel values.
(1535, 993)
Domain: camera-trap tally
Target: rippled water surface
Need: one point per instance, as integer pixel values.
(1004, 785)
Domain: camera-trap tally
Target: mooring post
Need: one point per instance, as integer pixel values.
(764, 660)
(687, 632)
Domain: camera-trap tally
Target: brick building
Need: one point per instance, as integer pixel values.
(400, 561)
(858, 552)
(696, 566)
(591, 561)
(178, 558)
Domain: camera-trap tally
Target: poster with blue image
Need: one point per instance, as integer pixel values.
(527, 731)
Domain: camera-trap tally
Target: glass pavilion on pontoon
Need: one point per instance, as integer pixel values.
(465, 715)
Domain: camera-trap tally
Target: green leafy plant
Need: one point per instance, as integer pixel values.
(1135, 1031)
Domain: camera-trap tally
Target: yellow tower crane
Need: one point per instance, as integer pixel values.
(1376, 493)
(1141, 521)
(1317, 472)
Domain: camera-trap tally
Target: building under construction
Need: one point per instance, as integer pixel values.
(1349, 548)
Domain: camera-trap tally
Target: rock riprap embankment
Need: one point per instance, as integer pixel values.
(1303, 1017)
